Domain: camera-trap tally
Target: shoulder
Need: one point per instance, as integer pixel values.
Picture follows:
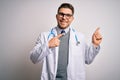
(45, 34)
(79, 34)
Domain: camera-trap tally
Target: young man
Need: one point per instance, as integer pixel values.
(63, 51)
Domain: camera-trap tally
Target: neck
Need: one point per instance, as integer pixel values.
(60, 29)
(63, 27)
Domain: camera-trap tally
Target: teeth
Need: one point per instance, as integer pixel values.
(63, 21)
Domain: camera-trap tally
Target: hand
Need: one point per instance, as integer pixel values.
(54, 42)
(96, 38)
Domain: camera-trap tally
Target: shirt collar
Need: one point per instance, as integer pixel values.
(59, 30)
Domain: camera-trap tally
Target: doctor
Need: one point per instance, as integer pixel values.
(63, 50)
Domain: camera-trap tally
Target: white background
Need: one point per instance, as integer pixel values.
(21, 21)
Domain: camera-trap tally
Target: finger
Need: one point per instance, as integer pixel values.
(97, 30)
(57, 43)
(99, 37)
(59, 35)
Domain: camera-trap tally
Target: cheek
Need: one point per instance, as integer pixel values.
(70, 21)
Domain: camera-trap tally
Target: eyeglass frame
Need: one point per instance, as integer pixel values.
(61, 14)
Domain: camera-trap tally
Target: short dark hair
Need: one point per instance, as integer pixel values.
(66, 5)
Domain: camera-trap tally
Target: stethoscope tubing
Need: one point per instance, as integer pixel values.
(76, 38)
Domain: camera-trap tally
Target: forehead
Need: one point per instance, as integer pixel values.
(65, 10)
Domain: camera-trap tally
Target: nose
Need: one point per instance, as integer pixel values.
(64, 17)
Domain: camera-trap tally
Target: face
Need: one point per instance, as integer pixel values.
(64, 18)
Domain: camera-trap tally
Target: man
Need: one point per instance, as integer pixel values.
(63, 51)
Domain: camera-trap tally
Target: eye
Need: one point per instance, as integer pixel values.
(64, 15)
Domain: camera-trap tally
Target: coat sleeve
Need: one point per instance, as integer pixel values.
(40, 50)
(90, 53)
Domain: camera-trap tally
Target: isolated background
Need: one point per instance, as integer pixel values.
(21, 21)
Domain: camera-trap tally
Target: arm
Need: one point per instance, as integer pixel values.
(91, 53)
(44, 47)
(40, 50)
(93, 50)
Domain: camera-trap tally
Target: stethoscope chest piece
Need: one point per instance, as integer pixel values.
(78, 42)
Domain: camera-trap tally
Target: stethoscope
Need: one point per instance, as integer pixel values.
(76, 38)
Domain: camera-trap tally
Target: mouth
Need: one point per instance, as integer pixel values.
(63, 22)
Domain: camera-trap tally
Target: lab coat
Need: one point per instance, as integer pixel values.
(79, 55)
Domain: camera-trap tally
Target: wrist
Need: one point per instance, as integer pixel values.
(95, 45)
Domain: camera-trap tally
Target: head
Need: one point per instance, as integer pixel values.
(64, 15)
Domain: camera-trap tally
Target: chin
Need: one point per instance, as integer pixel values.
(63, 26)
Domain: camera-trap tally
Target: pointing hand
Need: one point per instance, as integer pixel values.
(54, 42)
(96, 37)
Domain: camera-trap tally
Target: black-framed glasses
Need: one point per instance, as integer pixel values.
(66, 15)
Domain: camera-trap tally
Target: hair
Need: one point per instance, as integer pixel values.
(66, 5)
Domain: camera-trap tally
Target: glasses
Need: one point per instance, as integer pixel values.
(64, 15)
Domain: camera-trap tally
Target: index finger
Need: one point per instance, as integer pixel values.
(97, 29)
(59, 35)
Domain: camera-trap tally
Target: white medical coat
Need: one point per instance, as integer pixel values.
(79, 55)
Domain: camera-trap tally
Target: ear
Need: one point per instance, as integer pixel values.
(56, 16)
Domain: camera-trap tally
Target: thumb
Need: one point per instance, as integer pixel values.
(59, 35)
